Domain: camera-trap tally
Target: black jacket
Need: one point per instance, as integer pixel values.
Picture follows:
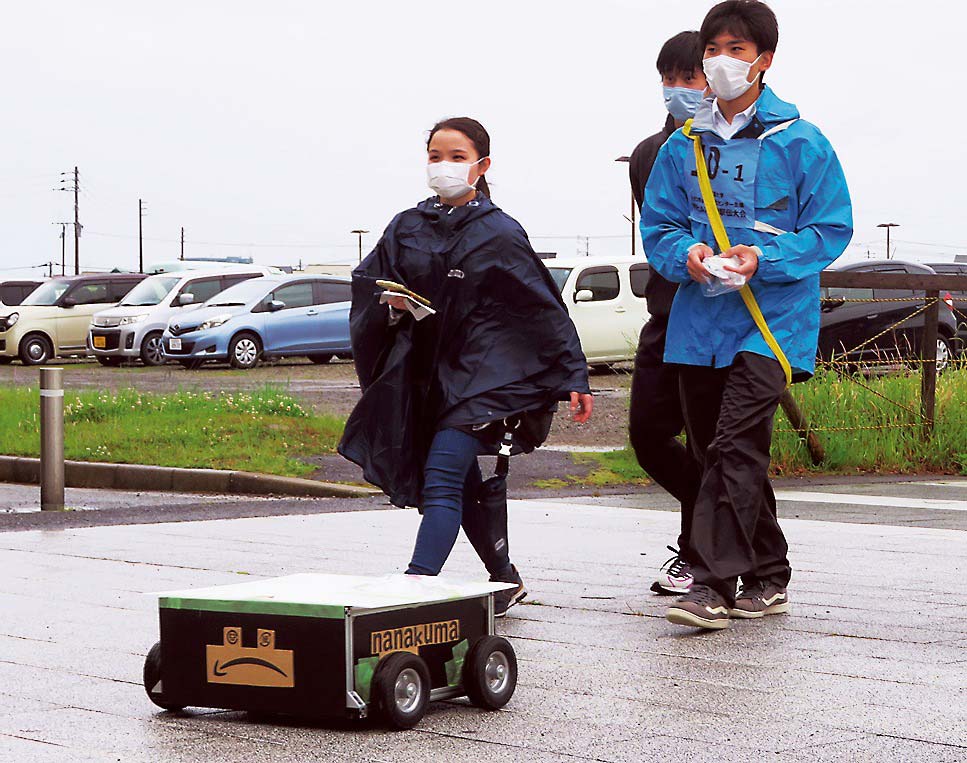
(501, 343)
(659, 292)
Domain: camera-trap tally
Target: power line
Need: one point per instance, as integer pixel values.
(305, 245)
(924, 243)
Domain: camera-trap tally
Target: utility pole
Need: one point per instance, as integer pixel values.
(140, 237)
(77, 224)
(77, 221)
(63, 246)
(359, 232)
(634, 228)
(182, 243)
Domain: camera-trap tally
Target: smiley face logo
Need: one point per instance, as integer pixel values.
(232, 636)
(265, 639)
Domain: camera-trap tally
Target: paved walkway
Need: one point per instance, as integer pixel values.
(870, 666)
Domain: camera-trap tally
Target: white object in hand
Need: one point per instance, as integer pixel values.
(418, 310)
(723, 280)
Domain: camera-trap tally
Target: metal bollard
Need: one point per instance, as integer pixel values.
(52, 439)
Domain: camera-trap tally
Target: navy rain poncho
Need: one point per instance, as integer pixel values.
(501, 343)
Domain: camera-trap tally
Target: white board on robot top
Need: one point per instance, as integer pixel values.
(313, 590)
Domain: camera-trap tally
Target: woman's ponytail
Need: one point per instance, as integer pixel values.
(477, 135)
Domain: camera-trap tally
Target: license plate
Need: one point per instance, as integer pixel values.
(174, 343)
(100, 342)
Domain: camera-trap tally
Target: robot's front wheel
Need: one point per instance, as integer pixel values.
(401, 689)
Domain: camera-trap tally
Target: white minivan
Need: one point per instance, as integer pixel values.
(133, 329)
(606, 301)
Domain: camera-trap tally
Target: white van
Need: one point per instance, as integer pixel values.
(606, 300)
(133, 329)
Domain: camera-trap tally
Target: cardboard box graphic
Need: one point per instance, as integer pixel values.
(232, 663)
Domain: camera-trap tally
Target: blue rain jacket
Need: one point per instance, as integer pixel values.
(797, 211)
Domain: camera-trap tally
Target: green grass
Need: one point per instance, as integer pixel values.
(854, 446)
(262, 431)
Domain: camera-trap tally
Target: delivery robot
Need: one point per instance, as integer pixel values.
(319, 646)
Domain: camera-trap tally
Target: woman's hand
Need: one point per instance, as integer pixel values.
(581, 406)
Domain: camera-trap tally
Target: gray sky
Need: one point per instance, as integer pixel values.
(281, 126)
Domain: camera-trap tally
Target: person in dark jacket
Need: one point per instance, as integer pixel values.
(656, 418)
(485, 370)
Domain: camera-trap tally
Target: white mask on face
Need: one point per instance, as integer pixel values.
(450, 180)
(728, 77)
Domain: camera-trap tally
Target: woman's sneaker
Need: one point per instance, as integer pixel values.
(760, 599)
(702, 607)
(504, 600)
(674, 577)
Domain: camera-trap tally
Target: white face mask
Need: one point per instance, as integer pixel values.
(728, 77)
(450, 180)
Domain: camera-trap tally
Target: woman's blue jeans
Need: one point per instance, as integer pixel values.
(451, 481)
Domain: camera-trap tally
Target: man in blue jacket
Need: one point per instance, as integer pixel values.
(782, 195)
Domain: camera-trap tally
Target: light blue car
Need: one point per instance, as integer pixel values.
(270, 317)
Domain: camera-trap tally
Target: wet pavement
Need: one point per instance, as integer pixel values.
(871, 665)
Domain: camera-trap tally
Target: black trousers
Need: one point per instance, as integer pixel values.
(728, 418)
(656, 420)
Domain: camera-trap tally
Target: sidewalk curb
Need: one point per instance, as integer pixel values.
(85, 474)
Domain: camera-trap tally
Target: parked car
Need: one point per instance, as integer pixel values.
(844, 326)
(134, 328)
(274, 316)
(54, 319)
(12, 293)
(606, 301)
(956, 299)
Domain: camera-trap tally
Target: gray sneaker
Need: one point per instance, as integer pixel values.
(701, 607)
(760, 599)
(504, 600)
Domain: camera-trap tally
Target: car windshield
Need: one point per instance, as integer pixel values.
(560, 276)
(150, 291)
(240, 294)
(47, 293)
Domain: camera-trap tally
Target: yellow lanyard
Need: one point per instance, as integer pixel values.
(722, 239)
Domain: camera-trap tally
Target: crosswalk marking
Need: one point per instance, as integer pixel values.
(935, 504)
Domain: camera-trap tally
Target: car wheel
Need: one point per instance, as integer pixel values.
(107, 360)
(401, 689)
(152, 679)
(35, 350)
(244, 351)
(944, 354)
(152, 350)
(320, 360)
(490, 672)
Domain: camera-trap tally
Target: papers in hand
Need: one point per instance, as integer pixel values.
(415, 308)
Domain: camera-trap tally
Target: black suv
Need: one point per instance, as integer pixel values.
(844, 325)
